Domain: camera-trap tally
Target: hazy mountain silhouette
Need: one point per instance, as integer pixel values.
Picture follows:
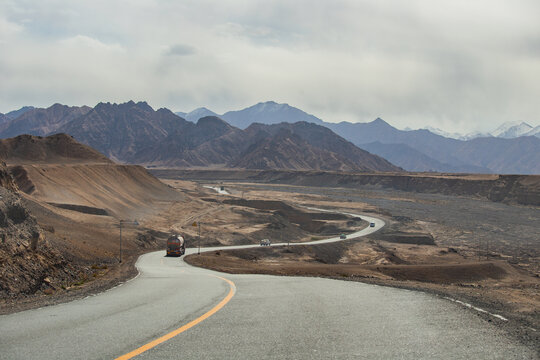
(197, 114)
(16, 113)
(35, 121)
(268, 112)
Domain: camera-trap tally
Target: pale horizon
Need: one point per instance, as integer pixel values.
(459, 66)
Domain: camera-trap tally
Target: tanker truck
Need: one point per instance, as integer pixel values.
(176, 245)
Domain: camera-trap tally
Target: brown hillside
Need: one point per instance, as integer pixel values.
(286, 150)
(59, 148)
(122, 191)
(311, 140)
(73, 210)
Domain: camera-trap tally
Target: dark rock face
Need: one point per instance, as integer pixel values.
(121, 130)
(29, 263)
(211, 141)
(6, 181)
(332, 151)
(286, 150)
(135, 133)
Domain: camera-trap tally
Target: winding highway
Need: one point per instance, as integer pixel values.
(175, 311)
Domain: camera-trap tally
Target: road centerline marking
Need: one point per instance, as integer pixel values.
(189, 325)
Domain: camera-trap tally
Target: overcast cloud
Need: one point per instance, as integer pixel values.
(459, 65)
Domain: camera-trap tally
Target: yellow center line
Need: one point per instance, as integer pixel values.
(187, 326)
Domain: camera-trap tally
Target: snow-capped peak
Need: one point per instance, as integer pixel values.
(458, 136)
(199, 113)
(443, 133)
(534, 132)
(511, 130)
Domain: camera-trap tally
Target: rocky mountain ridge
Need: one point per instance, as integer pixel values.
(132, 132)
(136, 133)
(40, 122)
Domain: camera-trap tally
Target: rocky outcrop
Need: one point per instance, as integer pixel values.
(29, 263)
(6, 181)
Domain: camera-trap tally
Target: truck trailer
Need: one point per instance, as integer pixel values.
(176, 245)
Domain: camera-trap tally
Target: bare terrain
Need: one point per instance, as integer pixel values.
(63, 203)
(473, 250)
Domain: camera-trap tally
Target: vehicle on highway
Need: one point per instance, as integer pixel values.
(265, 242)
(342, 236)
(176, 245)
(371, 224)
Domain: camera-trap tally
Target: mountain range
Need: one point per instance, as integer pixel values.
(136, 133)
(272, 135)
(271, 112)
(268, 113)
(416, 150)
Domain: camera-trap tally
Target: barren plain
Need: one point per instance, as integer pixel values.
(483, 253)
(465, 248)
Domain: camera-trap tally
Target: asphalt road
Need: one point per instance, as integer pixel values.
(267, 317)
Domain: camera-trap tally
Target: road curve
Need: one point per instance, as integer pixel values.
(267, 317)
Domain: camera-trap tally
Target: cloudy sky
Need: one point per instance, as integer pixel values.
(458, 65)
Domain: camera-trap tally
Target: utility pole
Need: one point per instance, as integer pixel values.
(121, 221)
(199, 252)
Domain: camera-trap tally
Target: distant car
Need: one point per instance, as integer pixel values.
(265, 242)
(371, 224)
(342, 236)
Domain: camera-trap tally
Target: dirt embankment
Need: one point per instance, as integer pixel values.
(61, 204)
(123, 191)
(520, 189)
(331, 260)
(75, 212)
(29, 263)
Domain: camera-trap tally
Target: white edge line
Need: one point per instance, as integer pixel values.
(500, 317)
